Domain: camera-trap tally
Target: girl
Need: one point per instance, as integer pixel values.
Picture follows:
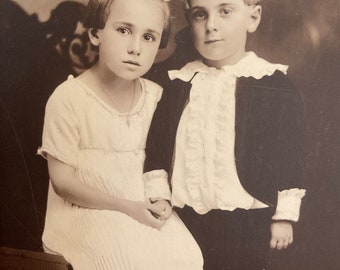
(228, 132)
(98, 214)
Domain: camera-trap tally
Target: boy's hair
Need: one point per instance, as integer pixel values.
(186, 3)
(97, 12)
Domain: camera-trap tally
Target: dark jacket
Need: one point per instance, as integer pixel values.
(269, 133)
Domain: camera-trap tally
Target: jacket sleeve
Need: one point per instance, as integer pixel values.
(291, 143)
(270, 142)
(158, 153)
(291, 139)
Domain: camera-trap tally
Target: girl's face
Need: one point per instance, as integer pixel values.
(220, 27)
(129, 42)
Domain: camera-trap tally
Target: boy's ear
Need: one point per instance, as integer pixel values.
(255, 18)
(93, 36)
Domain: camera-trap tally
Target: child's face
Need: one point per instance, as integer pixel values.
(129, 42)
(220, 27)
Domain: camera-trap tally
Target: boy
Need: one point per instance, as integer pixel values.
(228, 134)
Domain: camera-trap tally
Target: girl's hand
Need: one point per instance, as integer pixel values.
(282, 234)
(161, 209)
(142, 212)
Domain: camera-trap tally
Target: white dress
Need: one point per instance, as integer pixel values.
(107, 149)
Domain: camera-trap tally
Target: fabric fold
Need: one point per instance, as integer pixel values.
(156, 185)
(288, 206)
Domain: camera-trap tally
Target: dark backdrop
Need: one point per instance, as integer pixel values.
(35, 57)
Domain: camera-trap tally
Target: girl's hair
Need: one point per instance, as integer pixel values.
(187, 3)
(97, 12)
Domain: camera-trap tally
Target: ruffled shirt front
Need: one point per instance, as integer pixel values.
(205, 175)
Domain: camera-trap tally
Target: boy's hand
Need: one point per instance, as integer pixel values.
(282, 234)
(161, 209)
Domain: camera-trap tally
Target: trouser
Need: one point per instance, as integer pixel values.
(236, 240)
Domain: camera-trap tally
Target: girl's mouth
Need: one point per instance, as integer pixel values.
(131, 63)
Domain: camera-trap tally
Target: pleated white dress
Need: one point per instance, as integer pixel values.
(107, 149)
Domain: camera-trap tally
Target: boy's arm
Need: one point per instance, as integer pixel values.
(287, 212)
(290, 153)
(281, 234)
(290, 194)
(158, 154)
(288, 204)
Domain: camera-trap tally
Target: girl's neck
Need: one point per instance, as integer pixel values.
(119, 93)
(110, 81)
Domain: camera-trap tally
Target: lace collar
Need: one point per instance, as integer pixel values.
(249, 66)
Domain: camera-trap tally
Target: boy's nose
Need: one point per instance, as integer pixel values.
(135, 47)
(211, 24)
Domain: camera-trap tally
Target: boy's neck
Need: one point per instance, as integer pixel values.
(230, 61)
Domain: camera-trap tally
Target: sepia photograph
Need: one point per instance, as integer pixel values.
(170, 134)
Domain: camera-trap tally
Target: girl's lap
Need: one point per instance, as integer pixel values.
(128, 242)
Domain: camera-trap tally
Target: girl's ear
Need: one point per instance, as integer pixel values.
(93, 36)
(255, 18)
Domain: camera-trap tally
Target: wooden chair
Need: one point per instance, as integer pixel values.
(34, 58)
(19, 259)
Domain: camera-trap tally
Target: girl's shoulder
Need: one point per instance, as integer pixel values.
(70, 85)
(68, 91)
(151, 88)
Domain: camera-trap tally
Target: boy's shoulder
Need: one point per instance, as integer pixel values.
(278, 82)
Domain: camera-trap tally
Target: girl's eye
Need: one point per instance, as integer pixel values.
(225, 11)
(123, 30)
(149, 37)
(198, 15)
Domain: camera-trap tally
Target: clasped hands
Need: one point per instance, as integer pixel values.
(152, 212)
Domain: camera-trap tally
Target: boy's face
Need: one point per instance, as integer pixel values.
(129, 42)
(220, 27)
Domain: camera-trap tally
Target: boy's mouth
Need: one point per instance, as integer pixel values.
(210, 41)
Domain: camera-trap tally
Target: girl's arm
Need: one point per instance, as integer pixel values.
(66, 184)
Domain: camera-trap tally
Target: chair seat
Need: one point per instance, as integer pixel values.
(19, 259)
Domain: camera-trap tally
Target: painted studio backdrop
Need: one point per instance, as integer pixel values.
(42, 41)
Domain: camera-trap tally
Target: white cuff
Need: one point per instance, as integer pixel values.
(156, 185)
(288, 204)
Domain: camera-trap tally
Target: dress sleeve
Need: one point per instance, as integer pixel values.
(60, 133)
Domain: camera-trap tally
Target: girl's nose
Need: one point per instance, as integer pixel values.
(135, 47)
(211, 24)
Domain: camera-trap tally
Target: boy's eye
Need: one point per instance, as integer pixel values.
(124, 30)
(149, 37)
(198, 15)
